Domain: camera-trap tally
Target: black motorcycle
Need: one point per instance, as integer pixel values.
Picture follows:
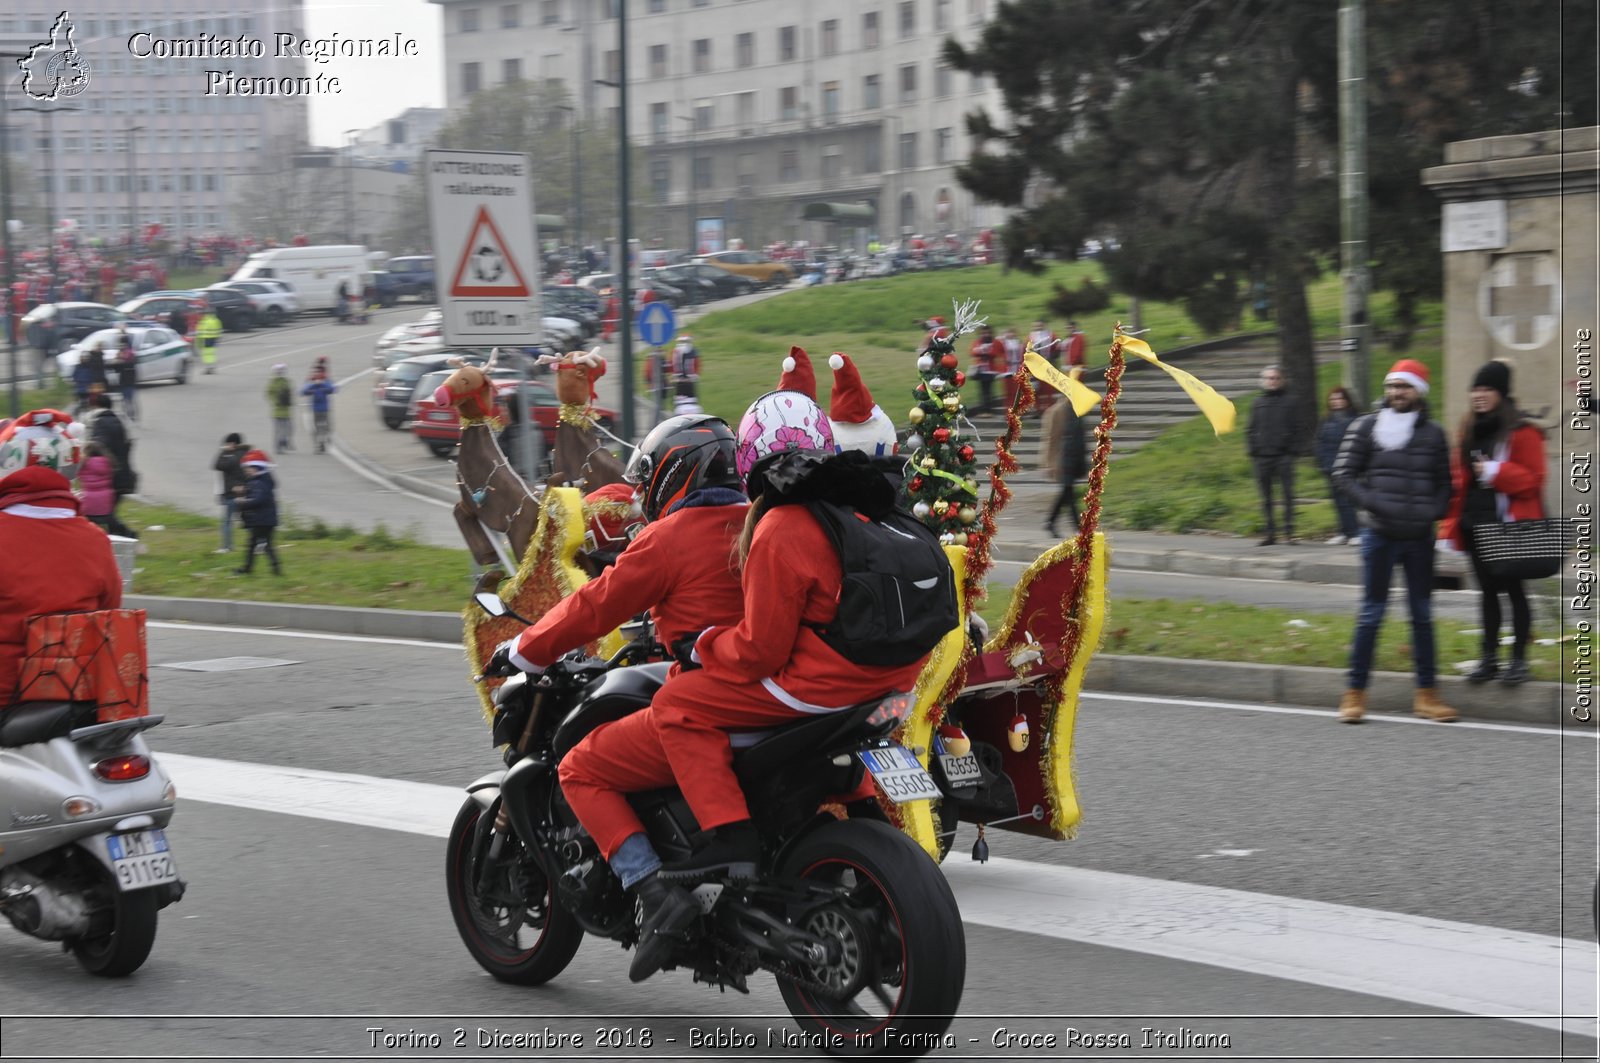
(853, 919)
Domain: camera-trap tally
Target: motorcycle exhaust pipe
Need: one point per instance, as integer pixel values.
(37, 908)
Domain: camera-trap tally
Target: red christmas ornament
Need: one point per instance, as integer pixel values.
(973, 539)
(948, 361)
(941, 435)
(916, 484)
(922, 391)
(966, 453)
(961, 378)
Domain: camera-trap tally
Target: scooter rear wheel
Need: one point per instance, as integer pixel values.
(125, 948)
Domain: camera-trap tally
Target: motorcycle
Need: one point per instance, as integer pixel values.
(854, 920)
(85, 858)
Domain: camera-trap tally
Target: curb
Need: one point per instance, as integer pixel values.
(1531, 703)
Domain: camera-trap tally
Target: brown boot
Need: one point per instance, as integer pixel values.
(1352, 706)
(1426, 704)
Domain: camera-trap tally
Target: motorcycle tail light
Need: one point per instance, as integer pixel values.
(891, 709)
(124, 768)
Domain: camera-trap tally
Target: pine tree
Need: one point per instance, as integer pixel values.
(942, 482)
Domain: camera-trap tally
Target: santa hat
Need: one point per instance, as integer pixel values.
(611, 509)
(797, 374)
(1409, 371)
(37, 485)
(858, 422)
(256, 459)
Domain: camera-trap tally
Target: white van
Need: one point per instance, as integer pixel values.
(313, 272)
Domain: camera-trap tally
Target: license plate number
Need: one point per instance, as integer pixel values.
(441, 415)
(899, 775)
(141, 859)
(962, 770)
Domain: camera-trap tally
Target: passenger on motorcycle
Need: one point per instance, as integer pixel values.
(51, 559)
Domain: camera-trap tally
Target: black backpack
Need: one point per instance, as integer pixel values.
(898, 598)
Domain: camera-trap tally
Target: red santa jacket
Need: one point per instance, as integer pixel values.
(681, 568)
(1516, 472)
(51, 561)
(791, 579)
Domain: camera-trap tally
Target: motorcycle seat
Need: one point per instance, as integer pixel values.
(794, 741)
(39, 721)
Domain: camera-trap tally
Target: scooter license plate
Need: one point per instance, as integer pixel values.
(962, 770)
(141, 859)
(899, 774)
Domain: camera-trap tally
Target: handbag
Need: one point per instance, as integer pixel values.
(1522, 549)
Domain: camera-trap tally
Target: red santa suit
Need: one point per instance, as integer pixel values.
(769, 670)
(1515, 471)
(51, 561)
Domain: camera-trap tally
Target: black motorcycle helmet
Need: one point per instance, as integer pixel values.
(680, 455)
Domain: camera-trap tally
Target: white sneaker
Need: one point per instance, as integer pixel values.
(1337, 540)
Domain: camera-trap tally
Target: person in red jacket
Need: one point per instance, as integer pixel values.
(1498, 469)
(681, 568)
(51, 561)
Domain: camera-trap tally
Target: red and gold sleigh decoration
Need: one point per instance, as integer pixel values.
(1019, 694)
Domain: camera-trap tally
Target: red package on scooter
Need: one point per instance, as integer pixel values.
(99, 656)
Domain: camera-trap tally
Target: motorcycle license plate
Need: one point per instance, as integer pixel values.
(962, 770)
(898, 774)
(141, 859)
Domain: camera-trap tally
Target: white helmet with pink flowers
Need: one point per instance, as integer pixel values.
(786, 419)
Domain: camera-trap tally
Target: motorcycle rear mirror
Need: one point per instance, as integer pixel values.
(490, 603)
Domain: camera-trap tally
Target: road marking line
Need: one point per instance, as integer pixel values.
(228, 629)
(1477, 970)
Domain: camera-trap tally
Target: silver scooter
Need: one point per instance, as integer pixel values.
(84, 857)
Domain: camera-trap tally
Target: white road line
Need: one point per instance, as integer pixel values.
(1531, 978)
(228, 629)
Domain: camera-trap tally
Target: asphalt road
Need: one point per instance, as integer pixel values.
(1210, 830)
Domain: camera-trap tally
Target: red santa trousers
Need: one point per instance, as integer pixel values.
(611, 762)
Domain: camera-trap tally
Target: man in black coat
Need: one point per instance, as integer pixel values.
(1395, 466)
(1275, 437)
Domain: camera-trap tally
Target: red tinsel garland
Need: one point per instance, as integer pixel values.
(1005, 463)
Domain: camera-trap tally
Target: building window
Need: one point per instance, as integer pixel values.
(467, 21)
(702, 55)
(908, 18)
(789, 166)
(657, 6)
(830, 102)
(871, 92)
(943, 139)
(908, 213)
(705, 115)
(942, 79)
(745, 108)
(210, 182)
(786, 38)
(941, 15)
(658, 120)
(510, 70)
(74, 184)
(908, 83)
(908, 151)
(832, 163)
(658, 60)
(186, 183)
(471, 78)
(830, 37)
(869, 30)
(660, 179)
(510, 16)
(744, 50)
(613, 65)
(788, 103)
(549, 12)
(703, 172)
(99, 183)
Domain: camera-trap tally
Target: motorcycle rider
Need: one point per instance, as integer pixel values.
(52, 560)
(680, 566)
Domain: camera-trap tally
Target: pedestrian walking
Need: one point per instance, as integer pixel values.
(95, 357)
(1499, 472)
(1339, 415)
(321, 391)
(1395, 466)
(280, 399)
(233, 481)
(81, 377)
(982, 354)
(97, 495)
(127, 362)
(106, 428)
(341, 301)
(258, 508)
(1273, 439)
(208, 332)
(1066, 458)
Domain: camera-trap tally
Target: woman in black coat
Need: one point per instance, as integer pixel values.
(1341, 411)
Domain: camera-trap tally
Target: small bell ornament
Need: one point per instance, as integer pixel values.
(980, 848)
(1017, 733)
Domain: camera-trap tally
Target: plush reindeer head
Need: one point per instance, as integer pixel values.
(468, 390)
(576, 373)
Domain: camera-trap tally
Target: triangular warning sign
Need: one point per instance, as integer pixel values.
(486, 267)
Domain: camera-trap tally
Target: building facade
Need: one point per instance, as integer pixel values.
(745, 112)
(152, 136)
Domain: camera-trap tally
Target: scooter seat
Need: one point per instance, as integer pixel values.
(29, 722)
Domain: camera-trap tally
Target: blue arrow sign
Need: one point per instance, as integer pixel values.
(657, 324)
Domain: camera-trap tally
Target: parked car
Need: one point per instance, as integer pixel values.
(579, 304)
(51, 328)
(391, 393)
(386, 290)
(232, 307)
(273, 301)
(412, 276)
(726, 284)
(751, 264)
(429, 325)
(440, 427)
(162, 354)
(694, 289)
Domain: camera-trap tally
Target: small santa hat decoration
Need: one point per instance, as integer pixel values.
(256, 459)
(955, 740)
(858, 422)
(1017, 733)
(797, 374)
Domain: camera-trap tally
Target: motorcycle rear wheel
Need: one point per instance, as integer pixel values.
(127, 945)
(904, 951)
(507, 940)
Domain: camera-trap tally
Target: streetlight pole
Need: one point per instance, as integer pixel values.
(624, 295)
(576, 231)
(133, 186)
(349, 186)
(694, 180)
(50, 185)
(12, 322)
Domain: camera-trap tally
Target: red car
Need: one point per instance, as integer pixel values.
(438, 427)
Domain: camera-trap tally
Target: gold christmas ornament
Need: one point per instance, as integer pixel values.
(968, 514)
(929, 463)
(941, 507)
(916, 414)
(952, 403)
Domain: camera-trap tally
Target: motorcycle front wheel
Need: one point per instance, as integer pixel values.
(124, 948)
(902, 951)
(504, 906)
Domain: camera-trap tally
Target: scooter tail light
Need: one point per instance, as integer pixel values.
(124, 768)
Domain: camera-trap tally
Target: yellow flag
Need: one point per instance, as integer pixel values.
(1217, 408)
(1083, 400)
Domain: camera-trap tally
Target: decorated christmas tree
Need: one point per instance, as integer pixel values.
(942, 479)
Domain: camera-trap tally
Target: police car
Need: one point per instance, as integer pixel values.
(162, 354)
